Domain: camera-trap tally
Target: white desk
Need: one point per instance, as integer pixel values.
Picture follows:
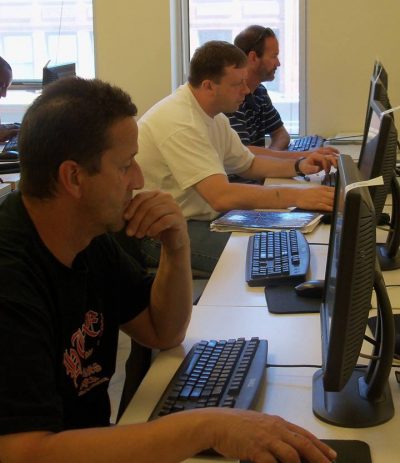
(292, 339)
(5, 189)
(11, 179)
(227, 286)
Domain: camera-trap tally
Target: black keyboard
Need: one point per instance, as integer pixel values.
(277, 257)
(11, 144)
(329, 179)
(307, 143)
(216, 374)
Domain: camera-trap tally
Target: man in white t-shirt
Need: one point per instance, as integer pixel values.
(187, 148)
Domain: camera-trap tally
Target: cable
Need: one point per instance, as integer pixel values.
(382, 227)
(277, 365)
(344, 138)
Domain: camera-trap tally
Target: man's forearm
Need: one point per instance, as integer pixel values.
(170, 440)
(171, 297)
(263, 167)
(280, 139)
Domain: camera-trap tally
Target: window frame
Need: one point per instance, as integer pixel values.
(180, 53)
(35, 84)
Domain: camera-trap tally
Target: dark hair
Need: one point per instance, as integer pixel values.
(4, 64)
(252, 38)
(210, 60)
(69, 120)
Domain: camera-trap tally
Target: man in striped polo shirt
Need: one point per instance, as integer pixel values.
(257, 116)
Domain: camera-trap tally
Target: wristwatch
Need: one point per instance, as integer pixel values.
(297, 168)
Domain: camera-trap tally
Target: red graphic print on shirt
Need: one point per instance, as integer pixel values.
(84, 374)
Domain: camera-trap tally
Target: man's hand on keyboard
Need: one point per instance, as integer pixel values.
(261, 438)
(6, 134)
(315, 162)
(324, 150)
(316, 198)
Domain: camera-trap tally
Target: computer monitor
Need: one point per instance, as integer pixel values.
(60, 71)
(379, 154)
(378, 92)
(345, 394)
(378, 158)
(380, 73)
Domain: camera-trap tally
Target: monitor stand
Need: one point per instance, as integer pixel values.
(366, 399)
(389, 253)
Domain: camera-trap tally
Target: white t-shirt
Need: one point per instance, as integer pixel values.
(180, 145)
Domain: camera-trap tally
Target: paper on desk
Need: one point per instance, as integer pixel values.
(253, 220)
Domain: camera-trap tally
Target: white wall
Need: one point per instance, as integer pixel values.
(132, 43)
(344, 37)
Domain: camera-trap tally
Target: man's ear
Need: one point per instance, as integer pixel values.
(252, 57)
(70, 177)
(208, 85)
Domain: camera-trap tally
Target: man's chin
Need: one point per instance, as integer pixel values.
(116, 226)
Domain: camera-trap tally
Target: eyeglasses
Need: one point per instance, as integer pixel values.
(266, 32)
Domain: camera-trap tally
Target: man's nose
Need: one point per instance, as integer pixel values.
(137, 179)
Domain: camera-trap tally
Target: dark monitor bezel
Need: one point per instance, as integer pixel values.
(59, 71)
(379, 154)
(335, 354)
(377, 92)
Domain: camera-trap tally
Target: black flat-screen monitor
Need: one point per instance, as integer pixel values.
(60, 71)
(380, 151)
(378, 158)
(380, 73)
(345, 394)
(377, 92)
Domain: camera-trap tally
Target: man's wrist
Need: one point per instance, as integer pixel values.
(297, 166)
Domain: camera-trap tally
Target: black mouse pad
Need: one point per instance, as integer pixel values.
(348, 451)
(283, 299)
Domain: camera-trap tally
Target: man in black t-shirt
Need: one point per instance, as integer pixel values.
(67, 288)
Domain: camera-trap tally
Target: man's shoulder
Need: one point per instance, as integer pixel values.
(175, 102)
(260, 90)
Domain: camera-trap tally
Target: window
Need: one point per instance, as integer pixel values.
(224, 19)
(34, 32)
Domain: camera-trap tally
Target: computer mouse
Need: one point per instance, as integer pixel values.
(311, 288)
(9, 156)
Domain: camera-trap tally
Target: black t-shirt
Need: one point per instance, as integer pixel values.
(59, 326)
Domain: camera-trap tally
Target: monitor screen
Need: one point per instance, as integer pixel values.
(52, 73)
(341, 393)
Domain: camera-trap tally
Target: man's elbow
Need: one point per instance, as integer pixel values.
(219, 204)
(170, 343)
